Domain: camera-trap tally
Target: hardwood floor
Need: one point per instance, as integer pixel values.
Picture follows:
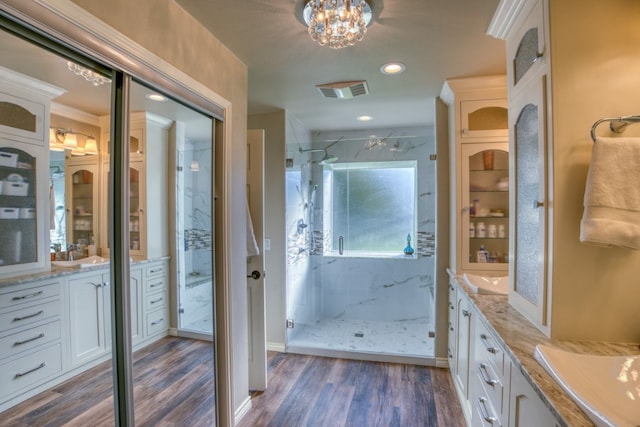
(174, 387)
(316, 391)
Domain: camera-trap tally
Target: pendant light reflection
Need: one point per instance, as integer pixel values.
(195, 166)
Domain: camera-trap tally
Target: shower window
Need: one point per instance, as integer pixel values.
(371, 207)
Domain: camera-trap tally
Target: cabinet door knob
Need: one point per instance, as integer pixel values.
(537, 204)
(466, 313)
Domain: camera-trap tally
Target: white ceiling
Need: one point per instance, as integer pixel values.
(436, 39)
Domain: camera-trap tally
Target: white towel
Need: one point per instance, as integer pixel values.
(611, 214)
(252, 245)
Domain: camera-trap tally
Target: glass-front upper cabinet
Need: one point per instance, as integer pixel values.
(18, 225)
(82, 207)
(485, 201)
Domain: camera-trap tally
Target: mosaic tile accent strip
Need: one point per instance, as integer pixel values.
(197, 239)
(426, 243)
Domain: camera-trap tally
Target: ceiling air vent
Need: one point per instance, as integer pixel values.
(344, 90)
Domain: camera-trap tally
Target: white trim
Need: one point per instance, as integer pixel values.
(25, 85)
(276, 346)
(366, 356)
(88, 23)
(442, 362)
(74, 114)
(242, 410)
(504, 17)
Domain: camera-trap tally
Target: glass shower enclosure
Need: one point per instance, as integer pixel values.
(361, 249)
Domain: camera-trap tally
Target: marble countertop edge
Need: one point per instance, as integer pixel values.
(55, 272)
(519, 337)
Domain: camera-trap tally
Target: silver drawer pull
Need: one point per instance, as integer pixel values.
(29, 316)
(466, 313)
(152, 271)
(451, 306)
(157, 322)
(22, 374)
(28, 340)
(483, 411)
(35, 294)
(490, 349)
(153, 285)
(485, 375)
(156, 301)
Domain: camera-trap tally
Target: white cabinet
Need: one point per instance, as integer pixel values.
(24, 160)
(31, 336)
(525, 407)
(156, 299)
(89, 317)
(461, 322)
(90, 314)
(489, 381)
(479, 173)
(148, 185)
(549, 71)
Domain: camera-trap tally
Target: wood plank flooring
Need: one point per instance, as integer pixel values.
(314, 391)
(174, 387)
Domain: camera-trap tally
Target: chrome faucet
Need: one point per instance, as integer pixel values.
(70, 250)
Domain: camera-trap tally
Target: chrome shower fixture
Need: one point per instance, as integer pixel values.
(325, 160)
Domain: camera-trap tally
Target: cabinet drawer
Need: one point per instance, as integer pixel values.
(156, 270)
(155, 284)
(28, 294)
(27, 315)
(485, 414)
(488, 350)
(157, 322)
(30, 369)
(155, 301)
(28, 339)
(490, 385)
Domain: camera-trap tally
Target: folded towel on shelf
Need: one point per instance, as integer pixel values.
(611, 214)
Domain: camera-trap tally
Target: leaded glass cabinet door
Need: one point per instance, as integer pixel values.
(530, 171)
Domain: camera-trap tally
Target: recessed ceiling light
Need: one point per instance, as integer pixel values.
(391, 68)
(364, 118)
(156, 97)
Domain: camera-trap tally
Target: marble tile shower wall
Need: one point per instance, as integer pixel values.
(197, 204)
(391, 289)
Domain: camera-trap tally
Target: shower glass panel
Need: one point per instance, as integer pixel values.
(351, 287)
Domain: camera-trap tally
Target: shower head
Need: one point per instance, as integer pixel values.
(325, 160)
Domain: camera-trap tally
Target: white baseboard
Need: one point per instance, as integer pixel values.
(276, 346)
(442, 362)
(242, 410)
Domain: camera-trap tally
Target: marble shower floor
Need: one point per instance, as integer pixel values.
(407, 338)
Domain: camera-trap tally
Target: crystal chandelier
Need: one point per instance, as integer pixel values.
(91, 76)
(337, 23)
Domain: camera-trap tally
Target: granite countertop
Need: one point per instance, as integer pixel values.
(65, 271)
(520, 337)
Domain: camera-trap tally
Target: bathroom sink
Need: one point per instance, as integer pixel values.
(90, 261)
(607, 388)
(487, 285)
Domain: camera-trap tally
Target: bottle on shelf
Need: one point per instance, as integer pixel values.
(483, 255)
(492, 231)
(472, 230)
(481, 230)
(501, 231)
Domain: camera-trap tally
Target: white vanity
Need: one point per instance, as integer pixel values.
(55, 325)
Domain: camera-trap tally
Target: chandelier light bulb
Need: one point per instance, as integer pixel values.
(337, 23)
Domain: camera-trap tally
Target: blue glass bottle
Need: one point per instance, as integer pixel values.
(408, 250)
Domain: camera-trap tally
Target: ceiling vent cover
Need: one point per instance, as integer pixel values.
(344, 90)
